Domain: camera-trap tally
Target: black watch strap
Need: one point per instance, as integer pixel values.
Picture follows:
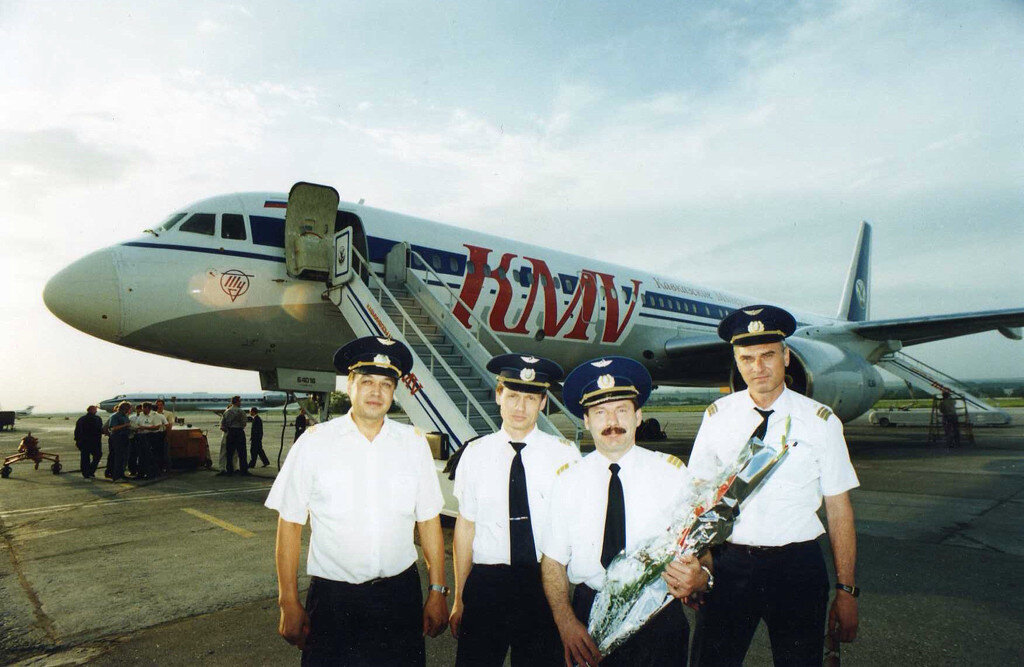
(852, 590)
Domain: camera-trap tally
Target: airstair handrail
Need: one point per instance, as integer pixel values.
(434, 354)
(482, 326)
(936, 378)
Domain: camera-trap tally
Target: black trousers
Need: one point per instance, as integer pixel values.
(785, 586)
(662, 641)
(117, 457)
(134, 453)
(375, 623)
(91, 452)
(256, 450)
(505, 607)
(236, 445)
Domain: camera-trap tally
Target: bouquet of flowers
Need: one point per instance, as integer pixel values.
(634, 590)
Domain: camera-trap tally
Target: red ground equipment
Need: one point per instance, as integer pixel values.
(189, 448)
(28, 450)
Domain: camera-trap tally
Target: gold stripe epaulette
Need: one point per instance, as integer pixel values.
(824, 413)
(565, 466)
(673, 461)
(564, 441)
(712, 409)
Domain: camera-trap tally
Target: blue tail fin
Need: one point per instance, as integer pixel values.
(857, 291)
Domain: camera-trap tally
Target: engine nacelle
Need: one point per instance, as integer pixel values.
(842, 380)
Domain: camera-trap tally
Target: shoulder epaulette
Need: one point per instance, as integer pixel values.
(712, 409)
(419, 433)
(566, 442)
(311, 428)
(565, 466)
(824, 413)
(673, 461)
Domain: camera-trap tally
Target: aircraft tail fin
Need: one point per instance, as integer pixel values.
(856, 293)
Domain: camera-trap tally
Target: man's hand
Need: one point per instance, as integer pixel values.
(435, 614)
(294, 625)
(580, 648)
(455, 619)
(842, 617)
(684, 576)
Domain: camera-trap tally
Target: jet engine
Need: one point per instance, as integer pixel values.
(839, 378)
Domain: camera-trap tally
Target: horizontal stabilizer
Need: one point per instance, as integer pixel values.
(916, 330)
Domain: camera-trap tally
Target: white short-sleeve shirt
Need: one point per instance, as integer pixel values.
(784, 508)
(363, 498)
(481, 487)
(653, 486)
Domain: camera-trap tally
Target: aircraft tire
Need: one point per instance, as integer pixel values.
(56, 468)
(5, 472)
(883, 421)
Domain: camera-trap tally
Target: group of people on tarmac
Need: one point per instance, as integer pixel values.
(138, 446)
(538, 524)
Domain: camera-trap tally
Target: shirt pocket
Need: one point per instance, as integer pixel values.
(403, 492)
(797, 471)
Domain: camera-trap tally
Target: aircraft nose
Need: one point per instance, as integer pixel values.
(87, 295)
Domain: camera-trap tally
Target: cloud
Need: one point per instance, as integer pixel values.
(59, 157)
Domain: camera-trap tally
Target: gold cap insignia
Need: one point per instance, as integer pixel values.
(385, 341)
(753, 312)
(530, 360)
(382, 359)
(755, 326)
(606, 382)
(601, 364)
(527, 374)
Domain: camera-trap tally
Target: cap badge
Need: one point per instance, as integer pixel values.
(530, 360)
(755, 326)
(382, 359)
(601, 364)
(385, 341)
(753, 312)
(606, 382)
(527, 374)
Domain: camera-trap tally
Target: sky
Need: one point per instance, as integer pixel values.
(736, 145)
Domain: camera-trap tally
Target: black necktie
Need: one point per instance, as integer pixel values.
(520, 530)
(614, 519)
(762, 428)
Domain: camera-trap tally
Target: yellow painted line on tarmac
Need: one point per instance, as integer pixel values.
(219, 522)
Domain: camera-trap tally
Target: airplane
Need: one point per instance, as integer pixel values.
(198, 401)
(24, 412)
(210, 285)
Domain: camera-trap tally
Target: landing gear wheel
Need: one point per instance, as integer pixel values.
(883, 422)
(56, 468)
(5, 472)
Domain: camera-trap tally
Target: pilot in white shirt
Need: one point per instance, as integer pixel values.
(615, 498)
(772, 568)
(503, 484)
(364, 481)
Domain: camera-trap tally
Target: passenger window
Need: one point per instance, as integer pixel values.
(199, 223)
(435, 261)
(232, 226)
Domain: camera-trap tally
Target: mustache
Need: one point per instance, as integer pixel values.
(614, 430)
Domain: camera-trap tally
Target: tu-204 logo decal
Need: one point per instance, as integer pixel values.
(234, 283)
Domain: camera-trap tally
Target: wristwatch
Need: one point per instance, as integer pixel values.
(852, 590)
(443, 590)
(711, 578)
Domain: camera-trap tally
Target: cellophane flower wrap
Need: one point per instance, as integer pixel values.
(634, 590)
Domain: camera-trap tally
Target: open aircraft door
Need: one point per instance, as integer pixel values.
(309, 231)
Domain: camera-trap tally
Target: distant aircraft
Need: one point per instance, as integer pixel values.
(24, 412)
(212, 285)
(199, 401)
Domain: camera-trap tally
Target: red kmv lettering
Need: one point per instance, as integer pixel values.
(584, 302)
(412, 383)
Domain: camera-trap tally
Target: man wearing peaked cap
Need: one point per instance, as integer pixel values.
(771, 568)
(363, 481)
(502, 484)
(615, 498)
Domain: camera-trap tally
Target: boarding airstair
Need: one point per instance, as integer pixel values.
(449, 390)
(932, 381)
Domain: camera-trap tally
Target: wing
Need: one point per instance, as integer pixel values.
(916, 330)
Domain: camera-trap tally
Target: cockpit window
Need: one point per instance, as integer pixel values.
(232, 226)
(171, 221)
(199, 223)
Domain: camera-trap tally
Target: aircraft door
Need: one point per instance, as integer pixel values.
(309, 231)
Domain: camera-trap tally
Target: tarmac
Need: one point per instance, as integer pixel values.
(180, 570)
